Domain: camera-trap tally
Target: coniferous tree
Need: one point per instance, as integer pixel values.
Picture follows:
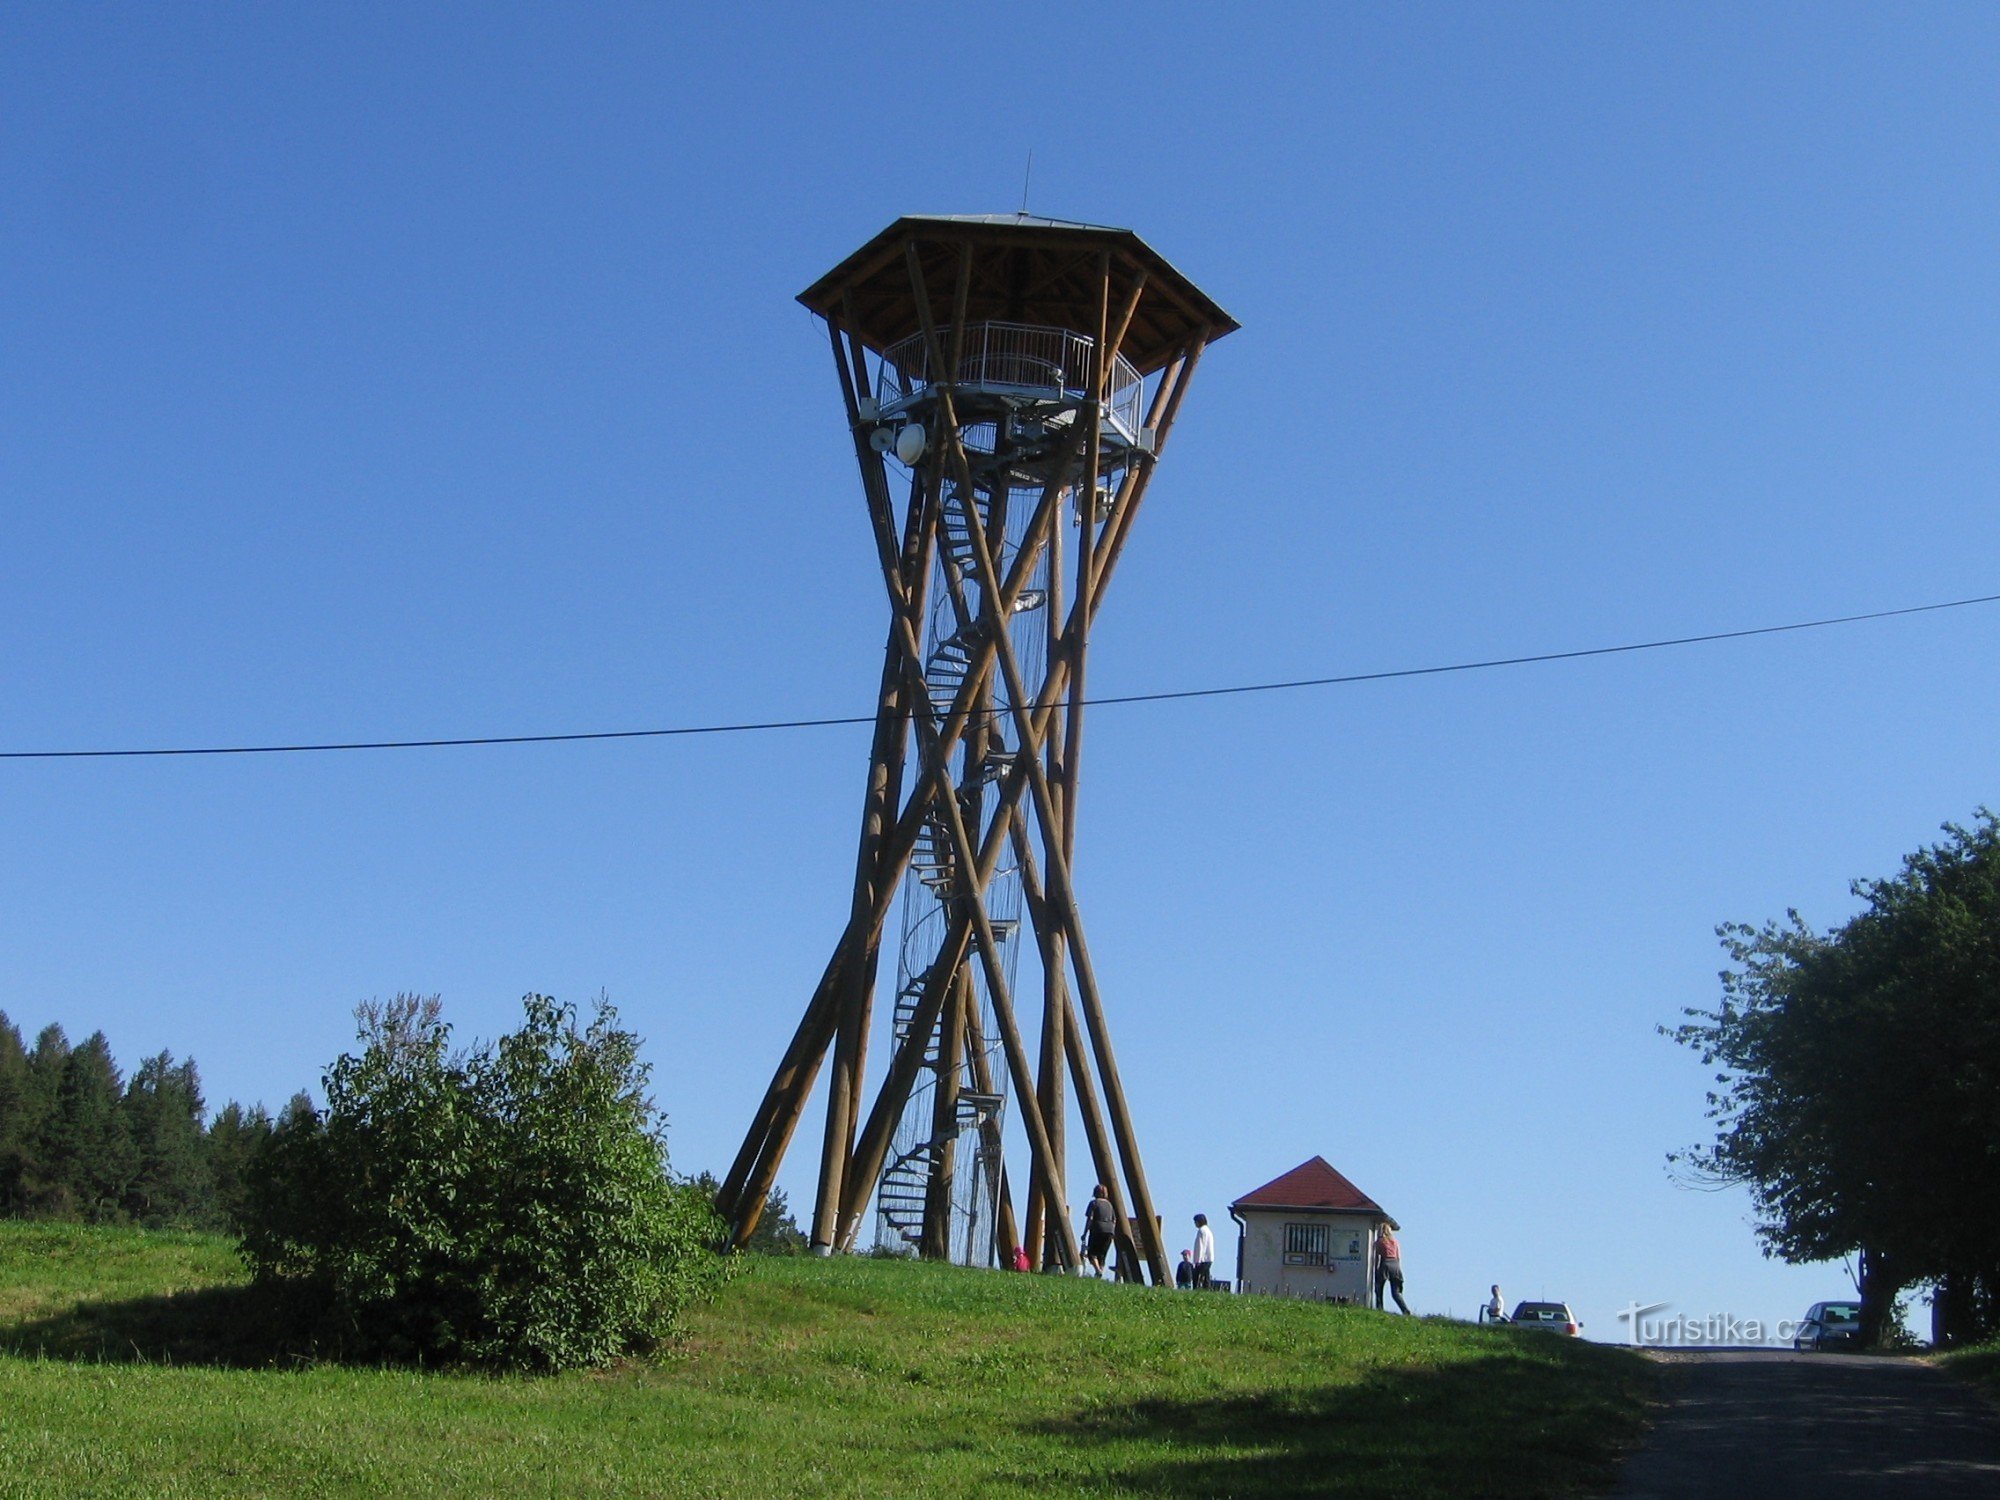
(40, 1192)
(78, 1143)
(171, 1180)
(235, 1137)
(298, 1113)
(91, 1160)
(17, 1126)
(777, 1232)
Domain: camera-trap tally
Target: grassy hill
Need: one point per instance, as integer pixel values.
(1978, 1363)
(132, 1363)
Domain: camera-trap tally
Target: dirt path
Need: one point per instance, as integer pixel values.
(1771, 1424)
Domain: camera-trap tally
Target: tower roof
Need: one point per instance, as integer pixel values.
(1024, 270)
(1312, 1184)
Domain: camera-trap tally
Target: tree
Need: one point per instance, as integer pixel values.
(235, 1136)
(88, 1150)
(18, 1125)
(172, 1182)
(1859, 1091)
(507, 1207)
(37, 1190)
(777, 1233)
(76, 1143)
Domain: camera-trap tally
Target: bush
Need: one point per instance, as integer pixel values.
(509, 1207)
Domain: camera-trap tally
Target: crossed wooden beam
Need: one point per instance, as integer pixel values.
(1031, 810)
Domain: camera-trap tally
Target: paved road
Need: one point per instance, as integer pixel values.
(1769, 1424)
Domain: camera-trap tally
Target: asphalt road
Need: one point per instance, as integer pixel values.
(1770, 1424)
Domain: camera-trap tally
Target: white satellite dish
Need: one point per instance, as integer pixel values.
(910, 443)
(881, 439)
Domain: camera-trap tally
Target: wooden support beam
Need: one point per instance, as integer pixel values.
(946, 803)
(866, 1166)
(871, 1151)
(1167, 407)
(1103, 1159)
(884, 792)
(749, 1181)
(1121, 326)
(1086, 551)
(973, 899)
(1061, 898)
(1050, 1095)
(990, 1134)
(936, 1244)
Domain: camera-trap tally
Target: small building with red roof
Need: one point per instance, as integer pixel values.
(1308, 1234)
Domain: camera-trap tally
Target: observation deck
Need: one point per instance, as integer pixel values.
(1021, 365)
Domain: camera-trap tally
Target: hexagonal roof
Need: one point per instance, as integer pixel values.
(1024, 270)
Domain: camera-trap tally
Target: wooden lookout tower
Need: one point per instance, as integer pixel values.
(1010, 383)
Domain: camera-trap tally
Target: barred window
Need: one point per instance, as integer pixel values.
(1305, 1244)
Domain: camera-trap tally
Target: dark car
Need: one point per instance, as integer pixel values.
(1829, 1325)
(1554, 1317)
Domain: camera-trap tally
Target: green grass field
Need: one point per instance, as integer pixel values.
(1979, 1363)
(132, 1363)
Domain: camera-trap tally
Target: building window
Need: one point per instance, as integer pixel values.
(1305, 1244)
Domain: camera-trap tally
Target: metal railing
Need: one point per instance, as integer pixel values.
(1015, 359)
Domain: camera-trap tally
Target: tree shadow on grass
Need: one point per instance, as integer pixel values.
(237, 1327)
(1508, 1424)
(1980, 1366)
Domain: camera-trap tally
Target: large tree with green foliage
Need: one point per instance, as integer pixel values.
(88, 1140)
(1858, 1091)
(234, 1138)
(508, 1207)
(18, 1126)
(38, 1188)
(172, 1181)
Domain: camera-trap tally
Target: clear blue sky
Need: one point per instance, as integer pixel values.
(378, 372)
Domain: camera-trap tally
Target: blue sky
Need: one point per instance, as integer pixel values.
(399, 372)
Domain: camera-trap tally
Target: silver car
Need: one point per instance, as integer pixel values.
(1553, 1317)
(1829, 1325)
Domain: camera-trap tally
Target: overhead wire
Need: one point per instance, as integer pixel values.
(765, 726)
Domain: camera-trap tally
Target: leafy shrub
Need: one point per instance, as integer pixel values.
(508, 1207)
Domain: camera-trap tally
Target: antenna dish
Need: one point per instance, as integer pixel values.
(882, 439)
(910, 443)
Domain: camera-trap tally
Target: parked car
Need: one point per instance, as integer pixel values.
(1552, 1317)
(1829, 1325)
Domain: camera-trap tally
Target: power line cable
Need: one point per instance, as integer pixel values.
(1237, 689)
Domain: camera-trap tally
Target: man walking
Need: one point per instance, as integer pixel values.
(1204, 1253)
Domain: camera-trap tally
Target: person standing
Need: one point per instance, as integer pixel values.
(1184, 1272)
(1204, 1253)
(1496, 1306)
(1389, 1266)
(1100, 1227)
